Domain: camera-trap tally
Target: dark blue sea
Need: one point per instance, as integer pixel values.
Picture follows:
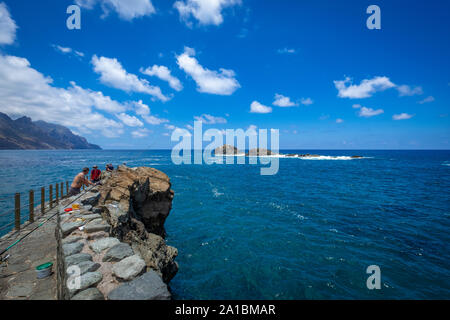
(309, 232)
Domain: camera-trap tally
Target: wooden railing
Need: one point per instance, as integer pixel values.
(52, 202)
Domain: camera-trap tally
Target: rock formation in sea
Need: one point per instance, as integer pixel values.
(259, 152)
(226, 149)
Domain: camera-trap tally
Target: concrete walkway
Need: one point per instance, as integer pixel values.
(18, 275)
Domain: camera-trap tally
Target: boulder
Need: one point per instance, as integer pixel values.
(87, 280)
(118, 252)
(77, 258)
(149, 286)
(129, 268)
(103, 244)
(87, 266)
(72, 248)
(68, 227)
(89, 294)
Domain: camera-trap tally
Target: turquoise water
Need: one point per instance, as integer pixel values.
(308, 232)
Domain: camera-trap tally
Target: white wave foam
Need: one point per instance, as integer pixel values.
(216, 193)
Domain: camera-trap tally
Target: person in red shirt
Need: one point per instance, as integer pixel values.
(95, 174)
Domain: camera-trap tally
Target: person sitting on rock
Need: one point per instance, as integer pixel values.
(109, 168)
(79, 181)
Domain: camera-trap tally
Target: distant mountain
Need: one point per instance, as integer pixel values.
(24, 133)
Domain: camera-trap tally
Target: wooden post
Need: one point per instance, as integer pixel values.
(17, 211)
(42, 200)
(67, 188)
(31, 206)
(57, 194)
(50, 197)
(62, 190)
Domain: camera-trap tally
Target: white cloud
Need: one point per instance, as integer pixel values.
(286, 51)
(364, 90)
(208, 81)
(67, 50)
(257, 107)
(307, 101)
(144, 111)
(189, 127)
(130, 121)
(427, 100)
(282, 101)
(8, 26)
(369, 112)
(163, 73)
(154, 120)
(209, 119)
(251, 130)
(113, 74)
(405, 90)
(24, 91)
(127, 10)
(402, 116)
(140, 133)
(339, 120)
(206, 12)
(356, 106)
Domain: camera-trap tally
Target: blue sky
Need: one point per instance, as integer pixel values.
(312, 69)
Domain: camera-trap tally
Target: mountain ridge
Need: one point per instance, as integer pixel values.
(26, 134)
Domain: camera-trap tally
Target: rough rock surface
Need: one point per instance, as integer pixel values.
(136, 202)
(259, 152)
(129, 268)
(140, 192)
(103, 244)
(226, 149)
(117, 236)
(89, 294)
(147, 287)
(118, 252)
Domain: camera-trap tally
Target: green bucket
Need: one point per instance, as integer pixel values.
(44, 270)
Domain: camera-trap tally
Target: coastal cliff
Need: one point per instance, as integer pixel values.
(24, 133)
(117, 239)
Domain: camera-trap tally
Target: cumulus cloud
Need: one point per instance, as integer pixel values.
(206, 12)
(257, 107)
(209, 119)
(402, 116)
(127, 10)
(365, 89)
(163, 73)
(405, 90)
(427, 100)
(130, 121)
(208, 81)
(8, 26)
(24, 91)
(144, 111)
(339, 120)
(114, 75)
(367, 112)
(282, 101)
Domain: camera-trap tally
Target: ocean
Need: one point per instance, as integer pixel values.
(309, 232)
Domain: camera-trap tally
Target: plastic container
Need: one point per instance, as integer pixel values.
(44, 270)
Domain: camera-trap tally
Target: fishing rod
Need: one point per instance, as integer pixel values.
(40, 225)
